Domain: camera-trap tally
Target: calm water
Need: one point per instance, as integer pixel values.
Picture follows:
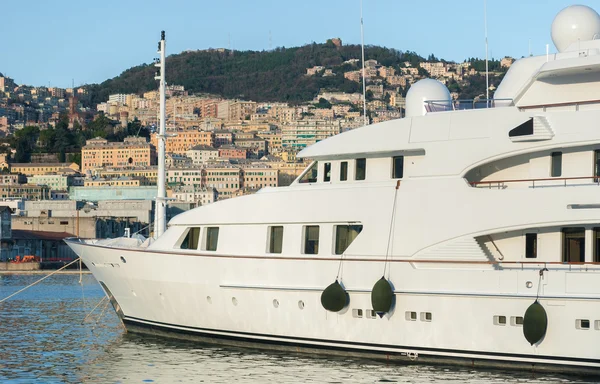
(43, 338)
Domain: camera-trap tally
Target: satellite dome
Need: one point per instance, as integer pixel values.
(573, 24)
(426, 90)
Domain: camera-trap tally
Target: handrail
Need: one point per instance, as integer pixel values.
(596, 180)
(465, 104)
(565, 104)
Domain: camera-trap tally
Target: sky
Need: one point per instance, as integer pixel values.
(61, 42)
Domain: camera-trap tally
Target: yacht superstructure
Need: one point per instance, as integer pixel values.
(484, 224)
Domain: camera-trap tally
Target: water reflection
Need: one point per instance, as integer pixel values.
(43, 338)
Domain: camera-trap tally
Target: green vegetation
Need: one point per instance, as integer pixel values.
(277, 75)
(67, 142)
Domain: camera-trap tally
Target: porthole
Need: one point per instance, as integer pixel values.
(123, 260)
(411, 316)
(499, 320)
(516, 321)
(426, 316)
(357, 313)
(529, 284)
(301, 304)
(582, 324)
(276, 303)
(234, 301)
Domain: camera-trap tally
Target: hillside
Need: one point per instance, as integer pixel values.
(277, 75)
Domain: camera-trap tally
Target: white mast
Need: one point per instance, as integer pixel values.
(160, 222)
(487, 77)
(362, 44)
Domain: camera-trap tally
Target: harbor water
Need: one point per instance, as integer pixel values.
(46, 338)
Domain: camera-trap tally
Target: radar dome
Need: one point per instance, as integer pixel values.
(426, 90)
(573, 24)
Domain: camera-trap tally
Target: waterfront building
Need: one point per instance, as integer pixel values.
(25, 191)
(56, 182)
(133, 151)
(117, 182)
(113, 193)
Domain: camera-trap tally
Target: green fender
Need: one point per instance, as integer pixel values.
(334, 298)
(382, 296)
(535, 323)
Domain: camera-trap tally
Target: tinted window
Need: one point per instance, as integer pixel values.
(574, 245)
(344, 236)
(310, 176)
(556, 170)
(191, 239)
(311, 239)
(327, 172)
(398, 167)
(275, 239)
(531, 245)
(212, 238)
(361, 169)
(344, 171)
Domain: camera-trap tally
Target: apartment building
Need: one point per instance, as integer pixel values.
(13, 179)
(185, 139)
(148, 173)
(25, 191)
(302, 133)
(32, 169)
(231, 152)
(197, 195)
(201, 154)
(56, 182)
(257, 176)
(132, 152)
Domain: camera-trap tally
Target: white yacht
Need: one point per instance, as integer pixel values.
(456, 234)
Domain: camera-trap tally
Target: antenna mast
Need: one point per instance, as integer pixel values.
(364, 80)
(487, 75)
(160, 222)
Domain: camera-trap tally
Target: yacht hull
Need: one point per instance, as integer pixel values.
(274, 303)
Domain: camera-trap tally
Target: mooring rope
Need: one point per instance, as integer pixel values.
(392, 226)
(38, 281)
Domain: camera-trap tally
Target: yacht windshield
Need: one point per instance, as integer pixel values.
(310, 175)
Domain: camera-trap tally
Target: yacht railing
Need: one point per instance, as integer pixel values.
(466, 104)
(541, 183)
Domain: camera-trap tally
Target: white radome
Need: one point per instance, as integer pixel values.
(575, 23)
(423, 91)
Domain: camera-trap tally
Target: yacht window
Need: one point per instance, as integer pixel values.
(343, 171)
(310, 175)
(344, 236)
(311, 239)
(212, 238)
(275, 239)
(556, 164)
(574, 245)
(596, 165)
(361, 169)
(398, 167)
(596, 245)
(327, 172)
(531, 245)
(190, 241)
